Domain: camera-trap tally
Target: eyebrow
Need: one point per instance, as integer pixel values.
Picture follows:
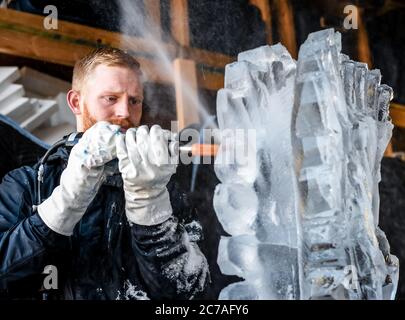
(118, 93)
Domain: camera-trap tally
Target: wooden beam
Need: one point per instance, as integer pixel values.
(185, 84)
(264, 7)
(286, 28)
(389, 152)
(185, 71)
(210, 80)
(39, 48)
(152, 8)
(68, 32)
(397, 114)
(179, 22)
(208, 58)
(22, 34)
(30, 24)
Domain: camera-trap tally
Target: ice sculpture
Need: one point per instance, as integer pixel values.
(303, 218)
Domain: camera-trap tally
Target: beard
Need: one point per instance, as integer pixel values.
(89, 121)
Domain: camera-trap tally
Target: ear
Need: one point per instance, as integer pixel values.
(73, 100)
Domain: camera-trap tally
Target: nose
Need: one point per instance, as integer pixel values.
(122, 109)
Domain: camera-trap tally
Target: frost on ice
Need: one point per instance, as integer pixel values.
(303, 216)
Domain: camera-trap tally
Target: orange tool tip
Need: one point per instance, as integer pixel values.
(204, 150)
(201, 149)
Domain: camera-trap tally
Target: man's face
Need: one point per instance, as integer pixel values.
(114, 94)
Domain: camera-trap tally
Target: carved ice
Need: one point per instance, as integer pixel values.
(303, 218)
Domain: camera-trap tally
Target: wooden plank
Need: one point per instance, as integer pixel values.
(210, 80)
(40, 48)
(264, 7)
(152, 8)
(185, 71)
(208, 58)
(397, 114)
(286, 28)
(185, 84)
(29, 24)
(179, 22)
(23, 35)
(389, 152)
(34, 47)
(74, 33)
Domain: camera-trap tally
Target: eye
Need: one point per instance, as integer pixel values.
(135, 101)
(110, 99)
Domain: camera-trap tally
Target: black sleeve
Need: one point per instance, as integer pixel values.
(171, 266)
(25, 241)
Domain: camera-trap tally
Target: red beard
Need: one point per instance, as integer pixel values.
(89, 121)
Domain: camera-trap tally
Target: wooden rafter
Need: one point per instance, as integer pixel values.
(23, 34)
(397, 113)
(185, 71)
(285, 23)
(152, 8)
(179, 22)
(264, 7)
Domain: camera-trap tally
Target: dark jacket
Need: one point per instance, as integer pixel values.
(105, 258)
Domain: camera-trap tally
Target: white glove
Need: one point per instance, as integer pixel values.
(81, 179)
(146, 167)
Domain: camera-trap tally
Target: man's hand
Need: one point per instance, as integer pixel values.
(146, 166)
(81, 179)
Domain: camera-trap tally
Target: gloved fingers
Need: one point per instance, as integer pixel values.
(173, 143)
(102, 127)
(132, 147)
(170, 136)
(159, 146)
(109, 135)
(99, 141)
(122, 154)
(142, 143)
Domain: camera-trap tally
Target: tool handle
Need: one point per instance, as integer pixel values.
(204, 150)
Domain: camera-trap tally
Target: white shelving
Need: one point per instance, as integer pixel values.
(36, 102)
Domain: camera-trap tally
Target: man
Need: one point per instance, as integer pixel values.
(106, 235)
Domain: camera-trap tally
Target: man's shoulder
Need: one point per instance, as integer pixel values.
(23, 174)
(16, 187)
(28, 174)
